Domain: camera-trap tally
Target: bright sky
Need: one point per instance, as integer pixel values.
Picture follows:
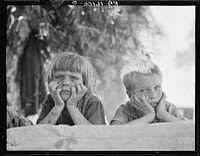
(176, 22)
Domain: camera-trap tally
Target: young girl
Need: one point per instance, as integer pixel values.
(70, 100)
(143, 82)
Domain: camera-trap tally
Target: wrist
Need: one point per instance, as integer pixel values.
(151, 115)
(58, 107)
(57, 110)
(71, 105)
(161, 114)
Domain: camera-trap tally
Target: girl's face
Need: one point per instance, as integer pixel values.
(150, 86)
(66, 80)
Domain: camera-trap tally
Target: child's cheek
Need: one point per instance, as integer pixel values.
(139, 95)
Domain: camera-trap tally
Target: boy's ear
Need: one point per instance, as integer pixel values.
(129, 95)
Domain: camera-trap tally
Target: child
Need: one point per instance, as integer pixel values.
(71, 100)
(143, 82)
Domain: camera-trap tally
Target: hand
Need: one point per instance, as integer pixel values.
(76, 96)
(161, 106)
(142, 104)
(173, 110)
(55, 92)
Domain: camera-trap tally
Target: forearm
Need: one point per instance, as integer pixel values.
(167, 117)
(76, 116)
(52, 117)
(145, 119)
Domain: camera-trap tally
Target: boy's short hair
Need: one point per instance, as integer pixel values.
(73, 62)
(137, 67)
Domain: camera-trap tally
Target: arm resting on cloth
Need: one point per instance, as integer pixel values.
(76, 115)
(52, 117)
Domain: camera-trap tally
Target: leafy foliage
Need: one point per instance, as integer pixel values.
(104, 34)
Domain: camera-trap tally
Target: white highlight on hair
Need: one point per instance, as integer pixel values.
(142, 66)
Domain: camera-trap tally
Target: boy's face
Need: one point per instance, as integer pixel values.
(66, 80)
(150, 86)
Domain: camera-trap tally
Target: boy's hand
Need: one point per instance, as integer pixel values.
(55, 92)
(142, 104)
(78, 91)
(174, 111)
(161, 106)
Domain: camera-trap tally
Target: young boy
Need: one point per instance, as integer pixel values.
(143, 82)
(71, 100)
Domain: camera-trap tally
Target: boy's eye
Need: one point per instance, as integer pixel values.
(157, 87)
(143, 90)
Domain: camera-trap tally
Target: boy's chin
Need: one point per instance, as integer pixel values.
(154, 104)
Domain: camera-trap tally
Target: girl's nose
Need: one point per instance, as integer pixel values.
(65, 82)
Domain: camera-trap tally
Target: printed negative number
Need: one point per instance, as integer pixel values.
(112, 3)
(97, 4)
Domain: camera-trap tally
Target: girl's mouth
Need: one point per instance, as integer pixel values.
(65, 91)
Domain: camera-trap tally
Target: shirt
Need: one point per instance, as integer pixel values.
(127, 112)
(90, 106)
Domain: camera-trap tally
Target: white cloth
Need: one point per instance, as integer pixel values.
(141, 137)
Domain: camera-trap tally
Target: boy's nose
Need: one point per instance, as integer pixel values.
(152, 95)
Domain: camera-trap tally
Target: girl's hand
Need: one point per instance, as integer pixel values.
(55, 93)
(142, 104)
(76, 95)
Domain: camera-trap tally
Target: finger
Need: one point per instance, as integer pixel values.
(171, 108)
(84, 88)
(73, 89)
(53, 86)
(163, 99)
(136, 99)
(52, 83)
(178, 114)
(144, 98)
(164, 95)
(58, 91)
(79, 89)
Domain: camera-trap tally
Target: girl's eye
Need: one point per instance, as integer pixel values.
(58, 77)
(73, 78)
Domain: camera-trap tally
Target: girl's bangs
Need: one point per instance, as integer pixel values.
(66, 64)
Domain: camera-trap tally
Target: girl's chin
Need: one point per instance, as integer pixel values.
(65, 96)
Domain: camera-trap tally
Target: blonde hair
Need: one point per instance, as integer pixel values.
(137, 67)
(73, 62)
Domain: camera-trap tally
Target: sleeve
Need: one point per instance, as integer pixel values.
(95, 113)
(47, 105)
(120, 115)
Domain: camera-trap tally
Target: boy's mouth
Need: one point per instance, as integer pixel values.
(154, 104)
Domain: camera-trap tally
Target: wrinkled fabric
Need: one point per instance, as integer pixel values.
(15, 119)
(141, 137)
(32, 86)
